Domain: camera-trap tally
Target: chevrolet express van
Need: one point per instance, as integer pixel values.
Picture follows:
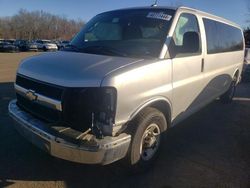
(124, 79)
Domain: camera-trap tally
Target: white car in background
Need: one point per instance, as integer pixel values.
(246, 67)
(46, 45)
(247, 56)
(63, 44)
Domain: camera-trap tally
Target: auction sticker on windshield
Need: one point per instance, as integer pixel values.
(159, 15)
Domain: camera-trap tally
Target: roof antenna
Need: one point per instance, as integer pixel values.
(155, 4)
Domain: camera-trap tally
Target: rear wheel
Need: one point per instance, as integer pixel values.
(227, 97)
(147, 131)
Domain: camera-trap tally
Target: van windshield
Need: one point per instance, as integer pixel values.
(129, 33)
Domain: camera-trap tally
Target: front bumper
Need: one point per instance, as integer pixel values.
(94, 151)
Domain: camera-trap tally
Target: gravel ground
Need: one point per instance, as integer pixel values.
(209, 149)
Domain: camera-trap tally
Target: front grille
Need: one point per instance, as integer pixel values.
(76, 112)
(48, 90)
(78, 104)
(39, 111)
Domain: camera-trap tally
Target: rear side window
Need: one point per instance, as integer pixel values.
(222, 37)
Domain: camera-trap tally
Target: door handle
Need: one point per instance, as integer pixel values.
(202, 64)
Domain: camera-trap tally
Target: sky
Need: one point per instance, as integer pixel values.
(234, 10)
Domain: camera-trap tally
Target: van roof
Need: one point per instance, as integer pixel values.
(202, 13)
(205, 14)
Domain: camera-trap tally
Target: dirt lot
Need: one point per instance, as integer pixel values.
(210, 149)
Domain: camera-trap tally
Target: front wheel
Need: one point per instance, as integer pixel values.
(147, 129)
(227, 97)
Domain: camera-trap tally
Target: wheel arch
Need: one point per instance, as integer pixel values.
(162, 104)
(236, 74)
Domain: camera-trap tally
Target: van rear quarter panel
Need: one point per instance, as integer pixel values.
(220, 68)
(219, 71)
(139, 84)
(223, 63)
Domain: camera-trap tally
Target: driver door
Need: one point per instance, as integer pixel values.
(187, 63)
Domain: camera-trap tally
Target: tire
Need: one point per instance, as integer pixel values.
(227, 97)
(44, 49)
(145, 145)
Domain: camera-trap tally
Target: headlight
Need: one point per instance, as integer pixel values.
(94, 108)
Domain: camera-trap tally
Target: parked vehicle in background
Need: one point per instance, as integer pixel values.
(246, 67)
(32, 47)
(8, 46)
(10, 41)
(63, 44)
(247, 56)
(1, 46)
(57, 42)
(46, 45)
(125, 78)
(25, 45)
(1, 42)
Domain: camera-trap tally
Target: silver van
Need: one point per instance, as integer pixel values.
(123, 80)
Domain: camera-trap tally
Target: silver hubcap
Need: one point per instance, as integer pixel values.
(150, 142)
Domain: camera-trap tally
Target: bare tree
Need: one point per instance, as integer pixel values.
(247, 30)
(38, 24)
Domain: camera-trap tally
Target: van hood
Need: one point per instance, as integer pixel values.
(72, 69)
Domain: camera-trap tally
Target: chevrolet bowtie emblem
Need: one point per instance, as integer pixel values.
(31, 95)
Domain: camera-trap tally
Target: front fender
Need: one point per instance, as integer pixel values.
(151, 103)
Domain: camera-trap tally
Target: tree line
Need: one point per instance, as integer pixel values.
(247, 36)
(38, 25)
(247, 30)
(42, 25)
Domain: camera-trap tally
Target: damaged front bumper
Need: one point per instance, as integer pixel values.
(87, 149)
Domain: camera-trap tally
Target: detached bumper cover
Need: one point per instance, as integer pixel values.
(101, 151)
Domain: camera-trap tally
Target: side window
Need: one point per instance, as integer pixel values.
(186, 38)
(222, 37)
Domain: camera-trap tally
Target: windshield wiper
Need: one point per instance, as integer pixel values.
(106, 50)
